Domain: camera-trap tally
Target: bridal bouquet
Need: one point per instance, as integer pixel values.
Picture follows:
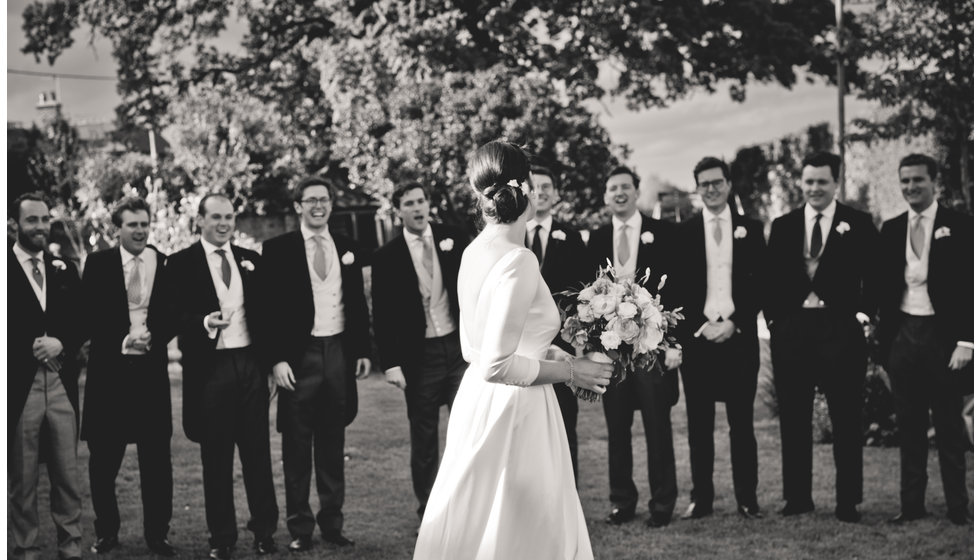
(619, 321)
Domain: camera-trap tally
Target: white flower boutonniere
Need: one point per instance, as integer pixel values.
(347, 258)
(446, 245)
(59, 264)
(247, 265)
(942, 232)
(740, 232)
(558, 235)
(646, 237)
(843, 228)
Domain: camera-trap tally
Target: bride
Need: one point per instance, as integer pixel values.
(505, 488)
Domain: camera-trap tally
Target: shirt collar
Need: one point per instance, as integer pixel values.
(929, 213)
(23, 256)
(411, 237)
(545, 223)
(635, 221)
(127, 256)
(310, 234)
(210, 247)
(827, 212)
(725, 215)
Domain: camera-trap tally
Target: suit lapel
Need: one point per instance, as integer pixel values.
(404, 257)
(699, 253)
(117, 277)
(24, 281)
(204, 273)
(942, 220)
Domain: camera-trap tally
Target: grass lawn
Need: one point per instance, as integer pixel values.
(380, 506)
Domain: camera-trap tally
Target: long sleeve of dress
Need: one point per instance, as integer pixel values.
(506, 314)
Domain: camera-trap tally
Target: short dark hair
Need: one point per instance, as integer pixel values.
(824, 159)
(314, 181)
(542, 170)
(710, 162)
(209, 196)
(490, 170)
(399, 192)
(36, 196)
(130, 203)
(623, 170)
(921, 159)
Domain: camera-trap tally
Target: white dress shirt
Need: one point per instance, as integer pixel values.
(826, 219)
(718, 303)
(543, 235)
(328, 294)
(138, 311)
(24, 258)
(635, 224)
(915, 300)
(438, 317)
(231, 299)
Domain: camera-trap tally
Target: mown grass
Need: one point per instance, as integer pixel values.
(380, 506)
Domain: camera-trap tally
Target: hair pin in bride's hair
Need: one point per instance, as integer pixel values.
(525, 188)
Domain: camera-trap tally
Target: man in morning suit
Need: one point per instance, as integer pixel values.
(560, 250)
(416, 324)
(42, 382)
(318, 345)
(127, 388)
(821, 293)
(720, 256)
(926, 328)
(633, 242)
(216, 297)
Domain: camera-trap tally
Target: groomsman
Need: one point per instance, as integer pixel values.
(226, 390)
(318, 344)
(926, 329)
(42, 383)
(633, 242)
(559, 249)
(821, 294)
(721, 255)
(416, 322)
(127, 388)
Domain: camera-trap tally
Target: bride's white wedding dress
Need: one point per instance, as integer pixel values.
(505, 488)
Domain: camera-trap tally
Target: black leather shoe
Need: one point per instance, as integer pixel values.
(796, 508)
(619, 516)
(220, 553)
(335, 538)
(264, 545)
(847, 514)
(750, 512)
(905, 517)
(162, 547)
(658, 520)
(695, 512)
(104, 545)
(301, 544)
(958, 517)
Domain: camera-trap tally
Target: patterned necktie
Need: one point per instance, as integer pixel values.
(36, 272)
(536, 247)
(717, 231)
(225, 268)
(320, 258)
(917, 236)
(816, 239)
(134, 288)
(427, 256)
(623, 249)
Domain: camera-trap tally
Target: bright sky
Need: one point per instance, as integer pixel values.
(665, 142)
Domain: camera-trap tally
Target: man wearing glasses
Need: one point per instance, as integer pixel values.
(318, 346)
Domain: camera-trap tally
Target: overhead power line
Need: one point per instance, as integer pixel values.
(60, 75)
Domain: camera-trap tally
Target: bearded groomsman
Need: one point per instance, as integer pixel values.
(721, 255)
(42, 382)
(127, 388)
(821, 292)
(926, 331)
(559, 249)
(416, 324)
(318, 344)
(226, 388)
(633, 243)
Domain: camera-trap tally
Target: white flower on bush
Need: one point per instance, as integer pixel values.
(626, 310)
(610, 340)
(348, 258)
(626, 329)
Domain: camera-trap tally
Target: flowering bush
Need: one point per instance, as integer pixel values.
(620, 319)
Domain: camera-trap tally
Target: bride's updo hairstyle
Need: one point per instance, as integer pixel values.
(491, 168)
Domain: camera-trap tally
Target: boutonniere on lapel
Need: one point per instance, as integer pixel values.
(446, 245)
(347, 258)
(740, 232)
(646, 237)
(558, 235)
(942, 232)
(843, 228)
(247, 265)
(59, 264)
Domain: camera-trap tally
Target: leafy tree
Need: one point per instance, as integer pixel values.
(921, 67)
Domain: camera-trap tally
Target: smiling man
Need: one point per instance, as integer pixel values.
(416, 317)
(127, 389)
(821, 293)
